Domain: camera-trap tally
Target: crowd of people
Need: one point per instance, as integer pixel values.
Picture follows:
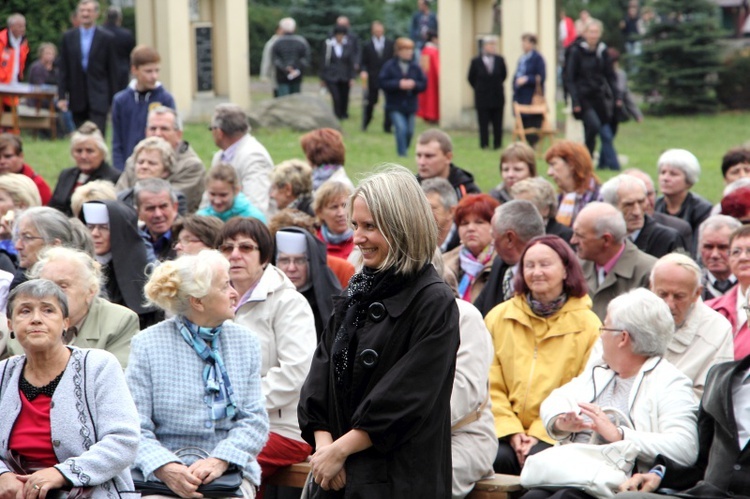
(409, 335)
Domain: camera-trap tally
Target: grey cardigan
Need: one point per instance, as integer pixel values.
(93, 420)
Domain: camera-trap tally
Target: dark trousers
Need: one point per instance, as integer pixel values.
(506, 462)
(593, 127)
(532, 121)
(493, 116)
(556, 494)
(99, 119)
(340, 95)
(367, 111)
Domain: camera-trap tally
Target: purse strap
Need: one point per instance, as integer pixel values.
(191, 451)
(538, 89)
(472, 416)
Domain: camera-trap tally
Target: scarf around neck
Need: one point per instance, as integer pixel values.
(323, 173)
(546, 309)
(218, 387)
(471, 266)
(331, 238)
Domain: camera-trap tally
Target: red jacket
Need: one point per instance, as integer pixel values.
(44, 191)
(7, 56)
(726, 305)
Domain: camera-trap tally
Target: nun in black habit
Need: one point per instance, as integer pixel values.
(302, 257)
(119, 249)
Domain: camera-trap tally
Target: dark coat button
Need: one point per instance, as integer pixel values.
(377, 311)
(56, 443)
(368, 358)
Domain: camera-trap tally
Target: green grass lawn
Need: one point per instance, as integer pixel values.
(708, 137)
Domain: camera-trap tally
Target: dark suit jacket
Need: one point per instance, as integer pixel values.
(724, 467)
(94, 88)
(492, 293)
(124, 44)
(632, 270)
(66, 184)
(338, 69)
(488, 87)
(371, 62)
(658, 240)
(534, 67)
(682, 227)
(555, 228)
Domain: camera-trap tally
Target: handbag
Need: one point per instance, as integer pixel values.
(227, 485)
(538, 98)
(21, 466)
(595, 469)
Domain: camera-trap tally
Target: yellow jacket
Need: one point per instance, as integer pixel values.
(532, 357)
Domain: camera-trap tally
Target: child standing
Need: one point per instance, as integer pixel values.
(130, 107)
(226, 200)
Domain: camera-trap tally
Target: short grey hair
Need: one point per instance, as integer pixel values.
(542, 193)
(15, 17)
(647, 319)
(608, 190)
(172, 283)
(230, 119)
(80, 237)
(288, 25)
(162, 110)
(683, 160)
(153, 186)
(38, 289)
(50, 223)
(680, 260)
(520, 216)
(165, 150)
(442, 188)
(716, 222)
(89, 270)
(613, 225)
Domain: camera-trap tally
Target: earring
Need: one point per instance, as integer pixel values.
(12, 335)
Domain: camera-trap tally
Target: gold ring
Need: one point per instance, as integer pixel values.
(36, 486)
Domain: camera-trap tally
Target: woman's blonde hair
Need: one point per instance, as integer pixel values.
(89, 131)
(224, 172)
(21, 189)
(401, 212)
(172, 283)
(96, 190)
(294, 172)
(328, 192)
(168, 158)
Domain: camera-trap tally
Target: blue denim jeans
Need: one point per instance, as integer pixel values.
(592, 127)
(403, 125)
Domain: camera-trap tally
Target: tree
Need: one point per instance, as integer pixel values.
(680, 62)
(45, 21)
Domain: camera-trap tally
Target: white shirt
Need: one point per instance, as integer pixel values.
(741, 314)
(16, 44)
(741, 403)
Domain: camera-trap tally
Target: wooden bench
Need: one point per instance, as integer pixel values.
(498, 487)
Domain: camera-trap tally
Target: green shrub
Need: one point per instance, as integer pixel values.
(733, 90)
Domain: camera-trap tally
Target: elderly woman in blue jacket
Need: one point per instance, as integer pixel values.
(68, 420)
(195, 379)
(402, 80)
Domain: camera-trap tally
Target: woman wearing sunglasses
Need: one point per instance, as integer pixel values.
(270, 306)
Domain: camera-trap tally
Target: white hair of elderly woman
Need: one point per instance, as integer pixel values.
(646, 318)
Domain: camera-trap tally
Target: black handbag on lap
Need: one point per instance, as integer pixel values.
(227, 485)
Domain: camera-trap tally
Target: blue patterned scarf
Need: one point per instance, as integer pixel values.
(218, 387)
(323, 173)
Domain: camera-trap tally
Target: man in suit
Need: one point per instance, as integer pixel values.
(124, 45)
(611, 263)
(374, 53)
(88, 68)
(713, 248)
(628, 194)
(514, 224)
(723, 466)
(681, 226)
(337, 70)
(487, 73)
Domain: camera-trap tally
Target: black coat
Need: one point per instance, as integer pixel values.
(93, 89)
(658, 240)
(66, 184)
(591, 80)
(371, 63)
(402, 401)
(723, 466)
(682, 227)
(492, 293)
(338, 69)
(555, 228)
(124, 45)
(488, 87)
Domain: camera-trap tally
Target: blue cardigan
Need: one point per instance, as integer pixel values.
(534, 67)
(165, 376)
(403, 101)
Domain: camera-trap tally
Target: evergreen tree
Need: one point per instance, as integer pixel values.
(680, 61)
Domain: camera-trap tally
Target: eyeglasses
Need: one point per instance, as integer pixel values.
(602, 329)
(738, 252)
(185, 242)
(227, 249)
(298, 262)
(101, 227)
(27, 238)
